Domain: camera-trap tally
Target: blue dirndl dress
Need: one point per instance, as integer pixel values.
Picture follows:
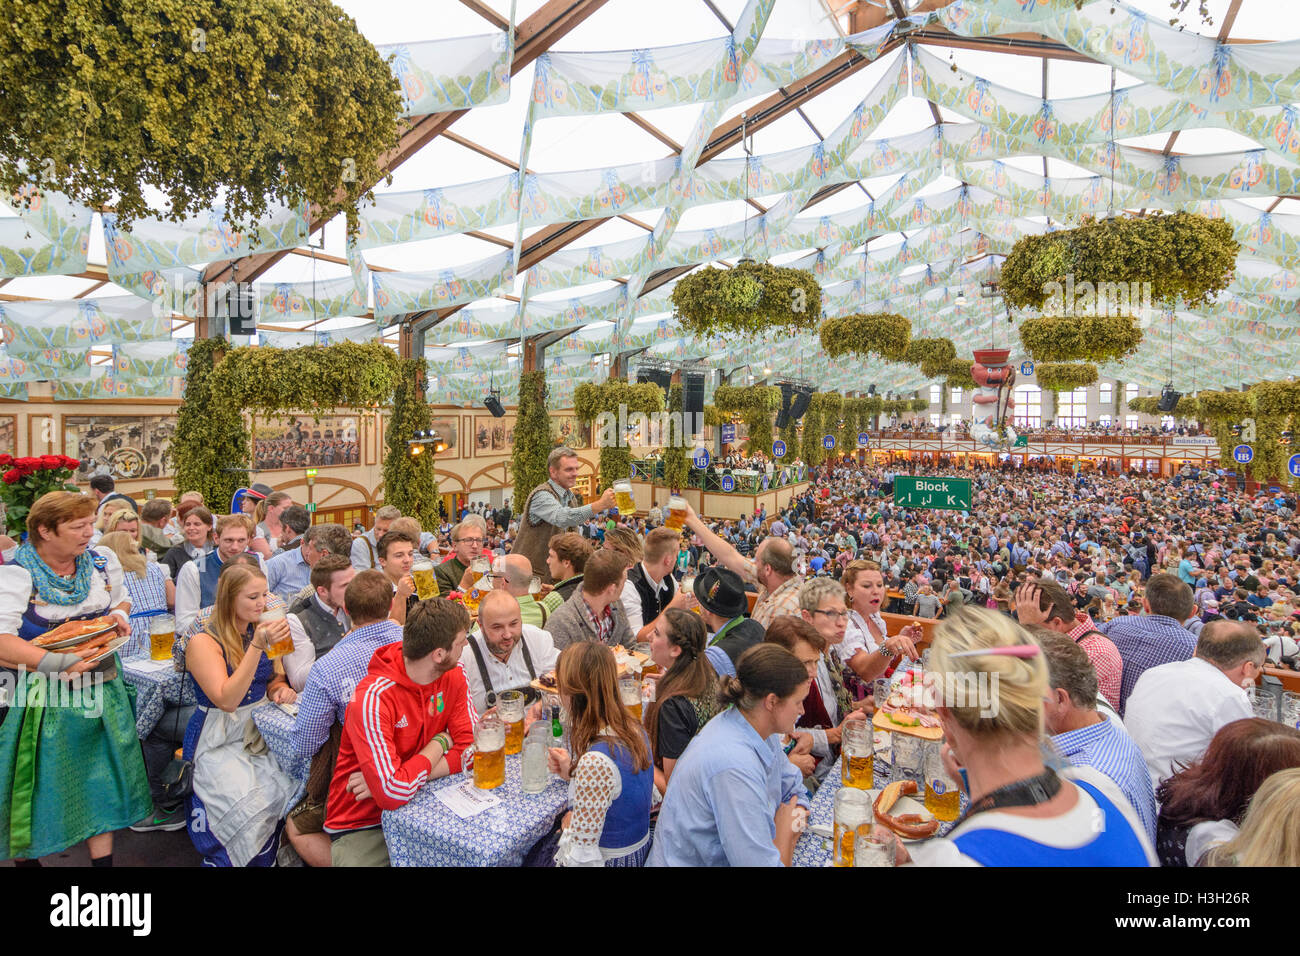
(240, 798)
(70, 761)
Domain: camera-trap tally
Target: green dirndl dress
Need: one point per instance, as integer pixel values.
(70, 761)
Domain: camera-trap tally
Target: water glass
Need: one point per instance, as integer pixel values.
(535, 774)
(909, 759)
(875, 846)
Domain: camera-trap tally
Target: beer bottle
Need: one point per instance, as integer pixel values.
(557, 728)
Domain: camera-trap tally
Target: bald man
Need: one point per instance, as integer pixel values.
(772, 569)
(513, 573)
(504, 653)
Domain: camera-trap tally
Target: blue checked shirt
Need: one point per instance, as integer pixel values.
(332, 680)
(1107, 747)
(1147, 641)
(287, 573)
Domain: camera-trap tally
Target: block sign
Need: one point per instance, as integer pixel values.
(728, 483)
(952, 494)
(1293, 466)
(701, 458)
(1243, 454)
(828, 442)
(778, 449)
(863, 439)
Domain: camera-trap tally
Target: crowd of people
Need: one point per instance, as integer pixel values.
(1149, 609)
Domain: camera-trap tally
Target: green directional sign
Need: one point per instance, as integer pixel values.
(952, 494)
(1022, 441)
(310, 506)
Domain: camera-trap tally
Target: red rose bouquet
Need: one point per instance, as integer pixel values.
(26, 479)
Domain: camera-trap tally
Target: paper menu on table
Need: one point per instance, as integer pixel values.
(466, 800)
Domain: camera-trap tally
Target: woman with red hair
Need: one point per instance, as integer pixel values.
(1204, 804)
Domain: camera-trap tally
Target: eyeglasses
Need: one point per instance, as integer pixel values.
(834, 615)
(478, 541)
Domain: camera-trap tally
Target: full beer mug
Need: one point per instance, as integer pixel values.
(162, 634)
(426, 585)
(857, 755)
(489, 752)
(283, 646)
(623, 497)
(510, 705)
(676, 519)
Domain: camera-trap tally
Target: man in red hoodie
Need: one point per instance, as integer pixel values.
(409, 721)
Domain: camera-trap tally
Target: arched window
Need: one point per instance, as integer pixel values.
(1072, 408)
(1029, 406)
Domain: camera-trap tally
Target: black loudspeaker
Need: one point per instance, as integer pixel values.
(800, 403)
(660, 376)
(871, 390)
(1168, 399)
(783, 416)
(693, 394)
(238, 305)
(493, 404)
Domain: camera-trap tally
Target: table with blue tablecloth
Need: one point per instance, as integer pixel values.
(426, 832)
(276, 727)
(157, 684)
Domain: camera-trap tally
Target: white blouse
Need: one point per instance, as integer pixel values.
(593, 787)
(16, 590)
(858, 637)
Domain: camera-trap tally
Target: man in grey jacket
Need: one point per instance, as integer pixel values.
(594, 612)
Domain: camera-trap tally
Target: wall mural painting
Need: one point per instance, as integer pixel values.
(493, 436)
(300, 441)
(124, 446)
(567, 430)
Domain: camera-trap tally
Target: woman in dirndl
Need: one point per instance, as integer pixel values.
(70, 762)
(241, 796)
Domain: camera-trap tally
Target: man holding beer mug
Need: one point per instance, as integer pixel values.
(414, 723)
(550, 509)
(467, 539)
(396, 555)
(505, 653)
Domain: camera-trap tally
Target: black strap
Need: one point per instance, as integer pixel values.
(1023, 793)
(482, 666)
(528, 657)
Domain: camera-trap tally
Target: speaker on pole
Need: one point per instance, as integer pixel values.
(659, 376)
(693, 394)
(783, 416)
(1168, 399)
(799, 406)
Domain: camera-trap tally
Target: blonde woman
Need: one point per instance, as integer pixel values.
(151, 591)
(240, 796)
(1270, 834)
(1021, 812)
(111, 507)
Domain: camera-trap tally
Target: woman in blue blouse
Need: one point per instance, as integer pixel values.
(733, 796)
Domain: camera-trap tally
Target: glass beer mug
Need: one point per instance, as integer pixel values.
(489, 752)
(162, 634)
(623, 497)
(426, 584)
(857, 755)
(282, 646)
(676, 519)
(510, 705)
(852, 812)
(629, 692)
(942, 795)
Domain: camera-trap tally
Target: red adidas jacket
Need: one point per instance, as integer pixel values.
(389, 721)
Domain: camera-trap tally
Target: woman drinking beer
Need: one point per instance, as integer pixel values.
(734, 797)
(611, 783)
(240, 795)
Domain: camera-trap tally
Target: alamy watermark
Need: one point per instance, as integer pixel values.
(1087, 298)
(658, 429)
(957, 689)
(83, 692)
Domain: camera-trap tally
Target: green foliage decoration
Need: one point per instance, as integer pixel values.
(825, 408)
(593, 398)
(713, 417)
(1187, 407)
(410, 483)
(1065, 376)
(959, 374)
(810, 441)
(917, 404)
(933, 356)
(1095, 338)
(315, 378)
(756, 404)
(677, 460)
(241, 104)
(885, 334)
(1182, 255)
(754, 298)
(533, 442)
(211, 438)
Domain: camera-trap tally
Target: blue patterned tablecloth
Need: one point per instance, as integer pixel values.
(426, 832)
(277, 730)
(156, 684)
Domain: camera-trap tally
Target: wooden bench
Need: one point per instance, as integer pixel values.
(1290, 679)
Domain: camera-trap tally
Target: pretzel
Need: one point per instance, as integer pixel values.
(909, 825)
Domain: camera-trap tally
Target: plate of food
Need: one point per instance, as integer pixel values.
(546, 683)
(906, 711)
(110, 647)
(896, 808)
(629, 661)
(76, 633)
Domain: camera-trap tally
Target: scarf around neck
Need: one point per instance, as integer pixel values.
(53, 588)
